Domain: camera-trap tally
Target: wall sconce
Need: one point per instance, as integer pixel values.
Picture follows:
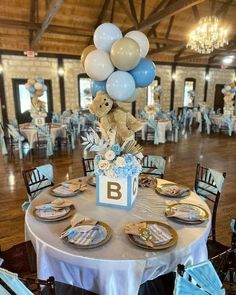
(174, 76)
(207, 77)
(60, 71)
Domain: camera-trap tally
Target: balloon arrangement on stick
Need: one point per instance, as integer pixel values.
(229, 92)
(117, 64)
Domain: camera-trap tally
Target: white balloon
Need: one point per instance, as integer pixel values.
(98, 65)
(120, 85)
(227, 88)
(105, 35)
(141, 39)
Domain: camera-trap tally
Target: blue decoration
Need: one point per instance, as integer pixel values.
(98, 86)
(144, 73)
(31, 90)
(40, 80)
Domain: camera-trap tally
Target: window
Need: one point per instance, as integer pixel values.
(23, 99)
(150, 90)
(85, 95)
(189, 85)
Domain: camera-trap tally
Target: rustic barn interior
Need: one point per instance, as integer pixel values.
(188, 114)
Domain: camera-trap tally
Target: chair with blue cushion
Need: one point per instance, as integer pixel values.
(154, 165)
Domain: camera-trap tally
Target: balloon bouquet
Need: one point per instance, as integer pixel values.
(229, 92)
(117, 64)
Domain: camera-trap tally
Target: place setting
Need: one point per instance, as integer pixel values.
(86, 233)
(57, 210)
(172, 190)
(151, 235)
(92, 181)
(186, 213)
(68, 189)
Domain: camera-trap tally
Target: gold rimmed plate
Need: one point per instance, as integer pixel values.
(68, 213)
(165, 227)
(202, 214)
(184, 191)
(63, 195)
(99, 240)
(92, 181)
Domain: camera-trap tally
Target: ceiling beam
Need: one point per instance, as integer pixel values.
(213, 7)
(169, 26)
(173, 9)
(100, 17)
(113, 10)
(178, 54)
(133, 11)
(128, 13)
(196, 13)
(52, 10)
(142, 10)
(221, 12)
(166, 48)
(32, 18)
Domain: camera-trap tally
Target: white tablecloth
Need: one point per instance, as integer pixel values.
(30, 133)
(117, 267)
(216, 119)
(163, 126)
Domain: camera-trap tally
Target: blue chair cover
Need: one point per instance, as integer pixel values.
(44, 170)
(44, 131)
(13, 282)
(203, 275)
(154, 124)
(2, 141)
(158, 162)
(55, 118)
(175, 125)
(227, 120)
(208, 122)
(70, 131)
(190, 117)
(17, 136)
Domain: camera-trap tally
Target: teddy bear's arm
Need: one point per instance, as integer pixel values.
(121, 121)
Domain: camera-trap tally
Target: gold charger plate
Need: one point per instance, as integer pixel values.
(67, 215)
(160, 192)
(158, 247)
(205, 217)
(91, 182)
(72, 194)
(104, 241)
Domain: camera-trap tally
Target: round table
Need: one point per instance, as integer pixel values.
(117, 267)
(30, 133)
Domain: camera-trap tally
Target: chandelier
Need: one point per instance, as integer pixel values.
(207, 36)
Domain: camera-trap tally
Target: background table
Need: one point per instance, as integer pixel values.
(118, 267)
(163, 126)
(30, 133)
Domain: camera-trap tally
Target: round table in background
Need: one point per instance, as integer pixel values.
(117, 267)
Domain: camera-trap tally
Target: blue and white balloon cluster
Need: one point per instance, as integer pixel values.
(117, 64)
(36, 86)
(229, 88)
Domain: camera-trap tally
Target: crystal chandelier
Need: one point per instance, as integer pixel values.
(207, 36)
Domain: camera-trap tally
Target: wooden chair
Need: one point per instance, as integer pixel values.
(150, 166)
(149, 134)
(88, 166)
(224, 264)
(21, 259)
(42, 137)
(205, 186)
(35, 181)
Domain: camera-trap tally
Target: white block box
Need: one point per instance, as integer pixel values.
(116, 192)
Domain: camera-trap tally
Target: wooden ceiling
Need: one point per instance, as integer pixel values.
(67, 26)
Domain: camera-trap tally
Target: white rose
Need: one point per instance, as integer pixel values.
(120, 162)
(110, 155)
(38, 86)
(109, 172)
(103, 164)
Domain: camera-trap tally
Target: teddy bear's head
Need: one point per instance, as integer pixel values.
(101, 104)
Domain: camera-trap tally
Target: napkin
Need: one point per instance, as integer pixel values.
(173, 190)
(185, 212)
(57, 204)
(150, 234)
(68, 188)
(147, 181)
(52, 214)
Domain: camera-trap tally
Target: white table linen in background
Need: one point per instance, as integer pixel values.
(117, 267)
(216, 119)
(163, 126)
(30, 133)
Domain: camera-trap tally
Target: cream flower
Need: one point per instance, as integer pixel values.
(103, 164)
(109, 172)
(120, 162)
(110, 155)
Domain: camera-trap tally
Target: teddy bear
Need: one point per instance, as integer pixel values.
(114, 117)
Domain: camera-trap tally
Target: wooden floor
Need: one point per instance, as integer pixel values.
(217, 151)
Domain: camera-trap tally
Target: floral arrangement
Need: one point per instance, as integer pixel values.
(113, 159)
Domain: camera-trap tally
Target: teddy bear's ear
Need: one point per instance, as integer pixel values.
(91, 109)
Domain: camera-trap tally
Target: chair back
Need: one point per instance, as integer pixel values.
(37, 179)
(209, 185)
(154, 165)
(88, 166)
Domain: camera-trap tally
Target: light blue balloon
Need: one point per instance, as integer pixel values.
(105, 35)
(144, 73)
(40, 80)
(98, 86)
(120, 85)
(31, 90)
